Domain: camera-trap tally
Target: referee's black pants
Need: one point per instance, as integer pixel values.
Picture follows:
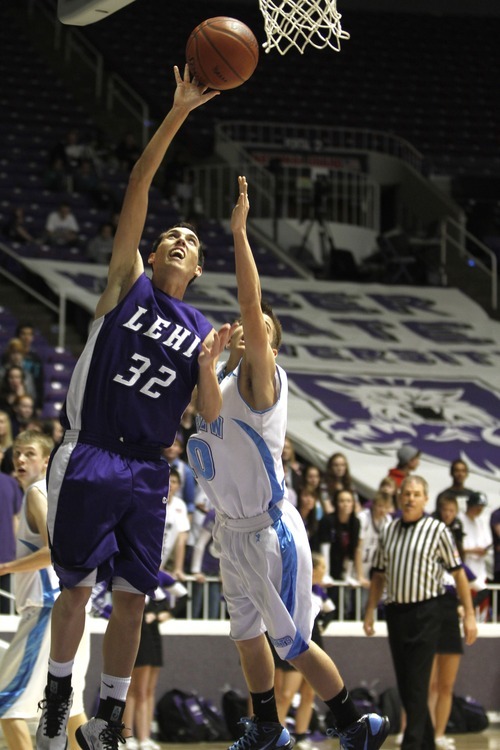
(413, 632)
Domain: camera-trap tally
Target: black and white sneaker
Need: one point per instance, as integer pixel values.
(98, 734)
(51, 731)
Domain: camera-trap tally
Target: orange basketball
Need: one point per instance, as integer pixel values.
(222, 53)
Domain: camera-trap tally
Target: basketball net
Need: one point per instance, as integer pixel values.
(297, 23)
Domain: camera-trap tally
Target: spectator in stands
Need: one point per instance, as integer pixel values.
(495, 535)
(89, 183)
(176, 529)
(203, 564)
(312, 480)
(477, 536)
(25, 421)
(338, 477)
(408, 461)
(307, 507)
(127, 152)
(339, 534)
(459, 472)
(73, 150)
(16, 228)
(187, 426)
(292, 467)
(61, 227)
(10, 505)
(54, 429)
(32, 362)
(100, 246)
(372, 520)
(169, 601)
(12, 386)
(186, 476)
(6, 437)
(389, 487)
(23, 413)
(14, 357)
(56, 177)
(449, 648)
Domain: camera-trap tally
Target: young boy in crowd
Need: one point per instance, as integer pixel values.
(36, 588)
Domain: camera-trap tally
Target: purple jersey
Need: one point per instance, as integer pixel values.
(138, 370)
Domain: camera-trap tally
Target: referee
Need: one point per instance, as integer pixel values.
(413, 552)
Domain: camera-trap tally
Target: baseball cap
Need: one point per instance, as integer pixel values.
(406, 453)
(477, 498)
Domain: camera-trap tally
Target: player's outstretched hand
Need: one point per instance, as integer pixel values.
(190, 94)
(240, 211)
(210, 354)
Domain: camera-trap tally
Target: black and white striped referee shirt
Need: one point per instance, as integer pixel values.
(413, 556)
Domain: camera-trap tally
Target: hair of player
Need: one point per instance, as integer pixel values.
(33, 437)
(182, 225)
(278, 332)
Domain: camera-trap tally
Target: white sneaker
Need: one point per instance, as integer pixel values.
(51, 730)
(399, 739)
(149, 744)
(98, 734)
(132, 743)
(445, 743)
(305, 744)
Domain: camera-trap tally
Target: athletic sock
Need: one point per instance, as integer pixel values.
(111, 710)
(114, 687)
(343, 709)
(264, 706)
(59, 678)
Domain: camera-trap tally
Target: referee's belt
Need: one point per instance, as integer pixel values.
(254, 523)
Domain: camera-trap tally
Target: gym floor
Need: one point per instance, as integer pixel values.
(488, 740)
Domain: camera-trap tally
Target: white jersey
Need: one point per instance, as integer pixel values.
(477, 533)
(237, 458)
(369, 535)
(34, 588)
(177, 523)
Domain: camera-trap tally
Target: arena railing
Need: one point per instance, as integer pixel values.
(317, 139)
(350, 601)
(455, 239)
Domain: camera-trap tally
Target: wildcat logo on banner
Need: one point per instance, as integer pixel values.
(372, 367)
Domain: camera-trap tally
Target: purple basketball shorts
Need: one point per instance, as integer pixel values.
(107, 512)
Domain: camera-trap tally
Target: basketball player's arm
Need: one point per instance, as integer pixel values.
(208, 397)
(258, 367)
(376, 589)
(126, 263)
(36, 511)
(463, 591)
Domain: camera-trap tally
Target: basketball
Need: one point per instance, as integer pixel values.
(222, 53)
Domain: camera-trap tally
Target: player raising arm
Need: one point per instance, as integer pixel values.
(146, 353)
(265, 558)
